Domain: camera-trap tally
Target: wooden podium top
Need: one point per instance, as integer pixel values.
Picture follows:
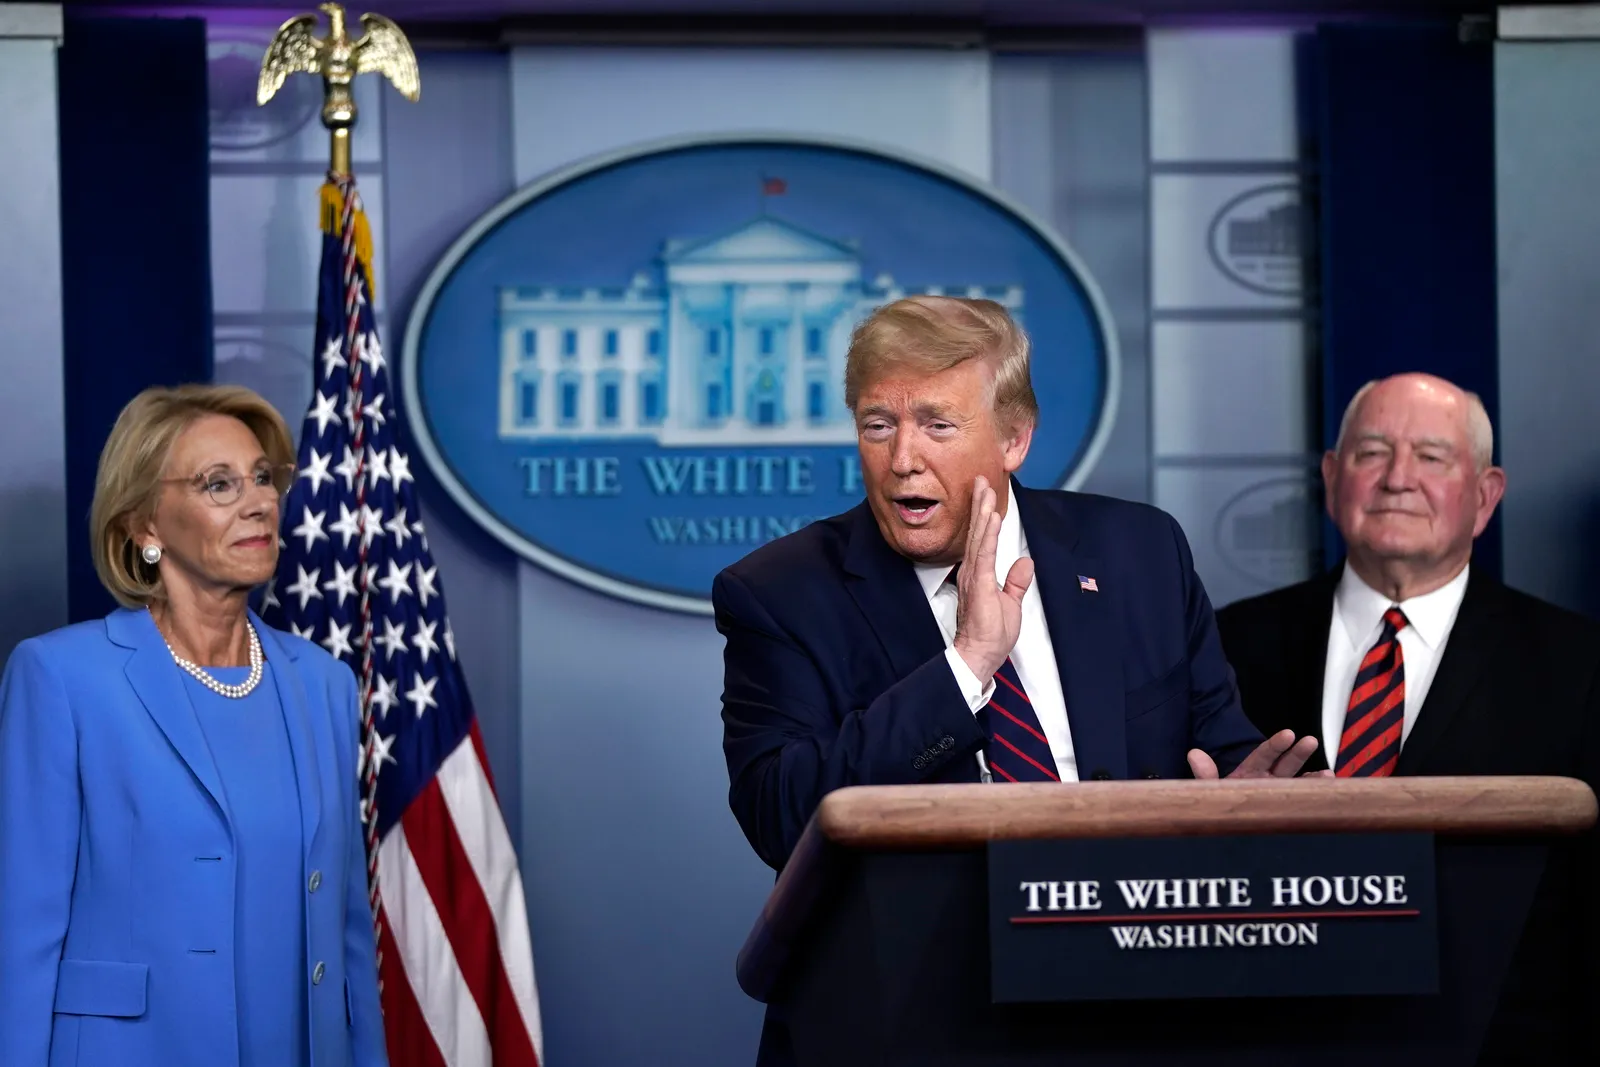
(956, 817)
(960, 816)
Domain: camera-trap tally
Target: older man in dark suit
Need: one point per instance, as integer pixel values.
(1408, 660)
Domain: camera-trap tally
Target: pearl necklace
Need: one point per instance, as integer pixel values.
(235, 692)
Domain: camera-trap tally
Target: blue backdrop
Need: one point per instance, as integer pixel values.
(135, 240)
(1407, 229)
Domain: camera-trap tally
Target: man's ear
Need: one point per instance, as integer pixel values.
(1016, 447)
(1491, 488)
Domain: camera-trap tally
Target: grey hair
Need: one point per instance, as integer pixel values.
(1480, 432)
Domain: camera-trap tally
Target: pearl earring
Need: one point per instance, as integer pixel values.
(151, 554)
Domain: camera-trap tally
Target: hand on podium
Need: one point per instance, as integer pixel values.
(1279, 756)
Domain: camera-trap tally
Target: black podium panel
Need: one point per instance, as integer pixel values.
(894, 972)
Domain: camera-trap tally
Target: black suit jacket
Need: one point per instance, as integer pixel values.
(1517, 691)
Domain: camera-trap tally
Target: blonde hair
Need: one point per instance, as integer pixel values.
(128, 482)
(934, 333)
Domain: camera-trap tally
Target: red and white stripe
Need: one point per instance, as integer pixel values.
(458, 985)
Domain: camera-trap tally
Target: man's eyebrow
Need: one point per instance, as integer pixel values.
(933, 409)
(1374, 437)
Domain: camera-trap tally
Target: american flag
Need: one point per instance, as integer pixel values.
(356, 576)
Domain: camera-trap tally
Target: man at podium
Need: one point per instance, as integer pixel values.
(957, 627)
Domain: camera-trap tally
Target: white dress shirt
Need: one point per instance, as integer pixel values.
(1034, 656)
(1357, 621)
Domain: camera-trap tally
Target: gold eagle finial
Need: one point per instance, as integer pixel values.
(381, 49)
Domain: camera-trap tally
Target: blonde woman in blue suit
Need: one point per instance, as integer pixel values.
(182, 880)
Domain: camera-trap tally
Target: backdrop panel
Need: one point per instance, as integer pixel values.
(1547, 112)
(1232, 366)
(33, 474)
(1069, 143)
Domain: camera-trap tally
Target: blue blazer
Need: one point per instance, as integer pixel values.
(116, 915)
(835, 675)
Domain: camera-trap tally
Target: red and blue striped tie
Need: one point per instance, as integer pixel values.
(1369, 747)
(1017, 749)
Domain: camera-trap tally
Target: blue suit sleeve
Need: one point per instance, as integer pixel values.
(360, 948)
(787, 746)
(1218, 724)
(40, 807)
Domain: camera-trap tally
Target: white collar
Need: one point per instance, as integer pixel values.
(1012, 546)
(1431, 615)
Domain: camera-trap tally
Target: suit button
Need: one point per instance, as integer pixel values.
(919, 763)
(317, 972)
(1152, 774)
(947, 742)
(1101, 776)
(316, 881)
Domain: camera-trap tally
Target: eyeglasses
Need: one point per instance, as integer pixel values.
(227, 488)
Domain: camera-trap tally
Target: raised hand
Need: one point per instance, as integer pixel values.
(1279, 756)
(988, 616)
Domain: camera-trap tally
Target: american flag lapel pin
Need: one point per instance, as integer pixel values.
(1088, 584)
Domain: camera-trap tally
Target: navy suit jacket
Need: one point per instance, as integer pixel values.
(835, 674)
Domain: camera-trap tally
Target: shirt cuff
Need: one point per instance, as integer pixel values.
(977, 693)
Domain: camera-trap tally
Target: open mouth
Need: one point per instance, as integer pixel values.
(915, 510)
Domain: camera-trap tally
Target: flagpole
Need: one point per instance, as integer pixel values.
(382, 48)
(433, 945)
